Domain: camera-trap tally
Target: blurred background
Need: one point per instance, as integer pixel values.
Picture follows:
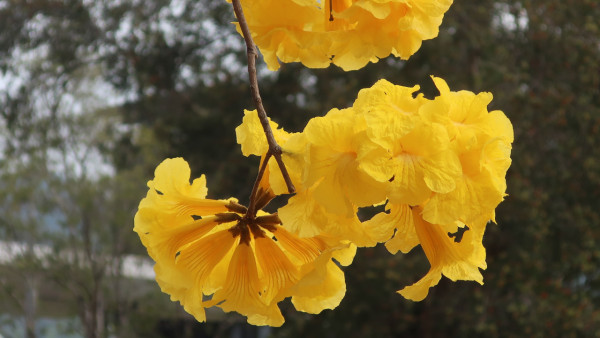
(95, 94)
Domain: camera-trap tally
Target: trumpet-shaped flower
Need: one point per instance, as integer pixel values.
(419, 164)
(482, 141)
(466, 118)
(414, 154)
(446, 162)
(332, 166)
(453, 250)
(478, 191)
(347, 33)
(210, 253)
(458, 256)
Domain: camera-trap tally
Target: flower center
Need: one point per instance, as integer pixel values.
(256, 226)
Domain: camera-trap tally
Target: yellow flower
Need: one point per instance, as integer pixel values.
(413, 153)
(305, 216)
(482, 140)
(210, 253)
(348, 33)
(454, 251)
(458, 255)
(390, 111)
(447, 160)
(418, 164)
(252, 139)
(479, 190)
(332, 168)
(321, 161)
(466, 118)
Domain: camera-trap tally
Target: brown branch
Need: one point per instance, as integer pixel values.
(274, 148)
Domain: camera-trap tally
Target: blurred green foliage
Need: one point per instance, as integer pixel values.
(185, 88)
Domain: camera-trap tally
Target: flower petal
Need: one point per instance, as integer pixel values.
(197, 261)
(323, 288)
(251, 136)
(241, 292)
(277, 272)
(172, 177)
(399, 218)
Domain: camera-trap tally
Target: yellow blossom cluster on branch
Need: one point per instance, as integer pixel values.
(439, 164)
(347, 33)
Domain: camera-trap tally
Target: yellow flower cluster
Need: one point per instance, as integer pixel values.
(208, 253)
(440, 165)
(348, 33)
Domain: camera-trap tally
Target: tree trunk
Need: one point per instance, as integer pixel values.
(31, 299)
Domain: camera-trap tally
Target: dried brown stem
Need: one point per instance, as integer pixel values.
(274, 148)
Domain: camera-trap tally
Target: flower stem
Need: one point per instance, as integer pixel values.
(274, 148)
(251, 212)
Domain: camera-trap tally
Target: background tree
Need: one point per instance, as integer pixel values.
(63, 206)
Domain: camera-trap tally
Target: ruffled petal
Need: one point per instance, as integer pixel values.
(302, 216)
(323, 288)
(251, 136)
(306, 217)
(399, 218)
(419, 290)
(332, 162)
(390, 111)
(172, 178)
(345, 256)
(423, 163)
(171, 192)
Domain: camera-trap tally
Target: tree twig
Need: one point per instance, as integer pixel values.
(274, 148)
